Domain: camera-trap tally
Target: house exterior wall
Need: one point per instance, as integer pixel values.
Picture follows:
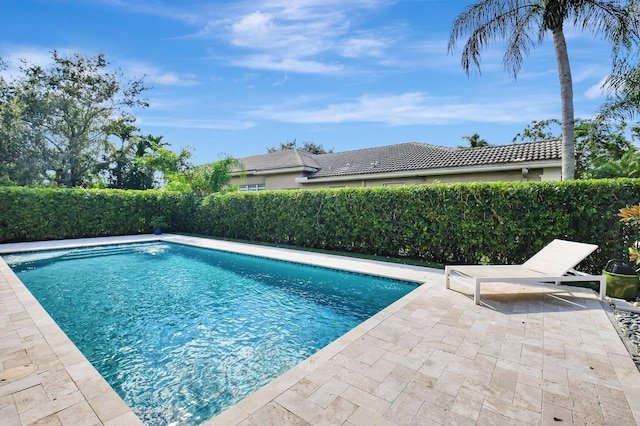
(283, 181)
(271, 181)
(288, 180)
(370, 180)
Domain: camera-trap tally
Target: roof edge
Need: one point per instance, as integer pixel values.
(434, 172)
(274, 171)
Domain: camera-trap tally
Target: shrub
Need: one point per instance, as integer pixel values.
(48, 214)
(443, 223)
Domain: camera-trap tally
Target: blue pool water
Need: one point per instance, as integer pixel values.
(181, 333)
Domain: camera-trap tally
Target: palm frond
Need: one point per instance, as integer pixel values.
(491, 20)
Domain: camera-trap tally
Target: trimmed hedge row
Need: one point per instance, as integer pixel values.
(28, 214)
(443, 223)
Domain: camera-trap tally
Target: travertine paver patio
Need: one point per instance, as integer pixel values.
(529, 355)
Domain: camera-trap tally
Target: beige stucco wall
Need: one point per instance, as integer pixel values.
(283, 181)
(271, 181)
(506, 176)
(250, 180)
(288, 180)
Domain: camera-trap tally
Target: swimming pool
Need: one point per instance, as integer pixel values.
(195, 330)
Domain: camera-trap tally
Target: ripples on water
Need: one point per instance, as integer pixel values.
(181, 333)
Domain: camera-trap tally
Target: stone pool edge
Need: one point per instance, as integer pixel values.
(89, 396)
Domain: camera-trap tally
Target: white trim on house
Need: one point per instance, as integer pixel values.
(301, 169)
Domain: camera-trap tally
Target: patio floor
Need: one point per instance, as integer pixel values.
(531, 354)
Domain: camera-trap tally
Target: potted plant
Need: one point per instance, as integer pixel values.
(622, 276)
(158, 223)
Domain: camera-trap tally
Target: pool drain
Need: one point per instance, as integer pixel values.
(16, 373)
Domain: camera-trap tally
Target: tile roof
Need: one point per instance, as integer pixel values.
(392, 158)
(404, 157)
(290, 158)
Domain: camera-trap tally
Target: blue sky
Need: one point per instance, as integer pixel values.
(237, 77)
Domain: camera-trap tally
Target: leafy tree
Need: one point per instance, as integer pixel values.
(284, 146)
(159, 161)
(139, 160)
(70, 105)
(627, 164)
(209, 178)
(475, 141)
(595, 144)
(119, 162)
(538, 131)
(523, 24)
(21, 160)
(307, 147)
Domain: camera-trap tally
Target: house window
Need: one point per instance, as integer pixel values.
(254, 187)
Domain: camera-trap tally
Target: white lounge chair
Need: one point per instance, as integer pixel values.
(551, 264)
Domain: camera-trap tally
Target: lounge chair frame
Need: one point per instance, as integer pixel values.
(554, 263)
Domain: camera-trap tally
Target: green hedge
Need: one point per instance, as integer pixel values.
(443, 223)
(28, 214)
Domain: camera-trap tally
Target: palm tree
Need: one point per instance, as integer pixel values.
(624, 102)
(523, 24)
(624, 83)
(475, 141)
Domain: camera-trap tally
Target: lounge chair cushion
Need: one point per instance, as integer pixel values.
(552, 263)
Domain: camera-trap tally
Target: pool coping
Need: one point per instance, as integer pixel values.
(66, 388)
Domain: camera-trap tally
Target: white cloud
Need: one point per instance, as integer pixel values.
(154, 75)
(172, 79)
(266, 62)
(254, 30)
(186, 123)
(596, 91)
(14, 55)
(310, 36)
(360, 46)
(280, 82)
(414, 108)
(277, 34)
